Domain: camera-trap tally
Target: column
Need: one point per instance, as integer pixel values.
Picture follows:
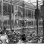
(2, 13)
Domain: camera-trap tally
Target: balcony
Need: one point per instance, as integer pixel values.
(25, 18)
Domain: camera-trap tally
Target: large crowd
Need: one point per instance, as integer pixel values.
(10, 36)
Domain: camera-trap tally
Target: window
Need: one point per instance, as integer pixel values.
(26, 13)
(21, 23)
(25, 23)
(15, 23)
(29, 23)
(34, 22)
(5, 22)
(29, 13)
(40, 23)
(7, 9)
(32, 14)
(20, 11)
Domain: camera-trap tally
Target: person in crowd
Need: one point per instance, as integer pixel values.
(23, 37)
(40, 39)
(4, 38)
(1, 31)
